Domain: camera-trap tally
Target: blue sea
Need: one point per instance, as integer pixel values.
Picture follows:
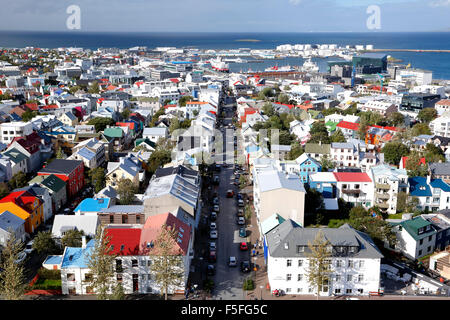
(439, 63)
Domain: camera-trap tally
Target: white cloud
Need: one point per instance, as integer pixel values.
(295, 2)
(440, 3)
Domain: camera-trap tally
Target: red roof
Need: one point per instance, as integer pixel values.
(50, 106)
(352, 177)
(443, 102)
(31, 142)
(386, 128)
(404, 159)
(174, 80)
(126, 124)
(23, 199)
(31, 106)
(153, 226)
(169, 106)
(348, 125)
(124, 241)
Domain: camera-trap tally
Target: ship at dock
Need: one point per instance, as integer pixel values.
(219, 65)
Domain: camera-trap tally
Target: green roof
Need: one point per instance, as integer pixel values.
(331, 125)
(413, 226)
(113, 132)
(317, 148)
(15, 155)
(146, 140)
(54, 183)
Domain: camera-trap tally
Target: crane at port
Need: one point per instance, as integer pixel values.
(381, 77)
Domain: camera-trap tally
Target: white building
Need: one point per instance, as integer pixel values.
(441, 125)
(344, 154)
(154, 134)
(355, 187)
(417, 76)
(354, 263)
(11, 130)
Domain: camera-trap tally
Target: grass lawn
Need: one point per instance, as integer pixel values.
(47, 284)
(395, 216)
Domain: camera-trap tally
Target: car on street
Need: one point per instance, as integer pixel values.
(216, 208)
(243, 246)
(21, 257)
(212, 256)
(240, 196)
(213, 216)
(216, 180)
(240, 212)
(216, 200)
(211, 270)
(232, 262)
(245, 266)
(212, 246)
(213, 234)
(242, 232)
(240, 221)
(230, 194)
(29, 247)
(240, 202)
(213, 226)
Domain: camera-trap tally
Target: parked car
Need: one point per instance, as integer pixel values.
(216, 208)
(212, 256)
(213, 216)
(240, 212)
(213, 234)
(213, 226)
(245, 266)
(232, 262)
(243, 246)
(242, 232)
(21, 257)
(230, 194)
(240, 202)
(240, 221)
(216, 200)
(212, 246)
(211, 270)
(29, 247)
(216, 180)
(240, 196)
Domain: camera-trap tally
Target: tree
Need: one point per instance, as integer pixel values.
(45, 244)
(420, 128)
(94, 87)
(182, 101)
(98, 179)
(268, 109)
(287, 88)
(158, 158)
(100, 262)
(125, 113)
(74, 89)
(118, 293)
(319, 268)
(396, 119)
(362, 130)
(60, 154)
(394, 151)
(338, 136)
(101, 123)
(433, 153)
(414, 166)
(19, 180)
(296, 151)
(28, 115)
(427, 114)
(4, 190)
(72, 238)
(126, 191)
(283, 98)
(313, 201)
(167, 260)
(12, 276)
(326, 163)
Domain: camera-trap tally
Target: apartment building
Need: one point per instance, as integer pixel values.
(11, 130)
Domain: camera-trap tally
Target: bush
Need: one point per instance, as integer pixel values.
(46, 284)
(249, 284)
(49, 274)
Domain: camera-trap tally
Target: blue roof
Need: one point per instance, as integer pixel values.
(252, 148)
(77, 257)
(86, 153)
(418, 187)
(438, 183)
(181, 62)
(53, 260)
(92, 205)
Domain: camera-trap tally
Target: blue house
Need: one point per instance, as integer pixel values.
(91, 206)
(326, 184)
(433, 195)
(303, 166)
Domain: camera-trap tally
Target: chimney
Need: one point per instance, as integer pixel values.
(83, 242)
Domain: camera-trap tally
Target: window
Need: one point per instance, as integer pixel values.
(111, 218)
(337, 291)
(299, 277)
(360, 291)
(429, 249)
(420, 252)
(300, 262)
(337, 277)
(142, 263)
(118, 265)
(360, 277)
(300, 248)
(149, 263)
(430, 237)
(349, 277)
(421, 241)
(138, 218)
(71, 277)
(119, 278)
(350, 263)
(348, 291)
(134, 263)
(288, 277)
(124, 218)
(288, 290)
(88, 277)
(361, 263)
(299, 290)
(288, 263)
(338, 263)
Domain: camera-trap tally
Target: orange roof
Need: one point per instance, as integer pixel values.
(196, 102)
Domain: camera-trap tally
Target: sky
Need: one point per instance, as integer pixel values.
(227, 15)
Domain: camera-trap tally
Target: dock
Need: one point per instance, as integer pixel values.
(409, 50)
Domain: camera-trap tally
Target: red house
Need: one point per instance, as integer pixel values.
(71, 171)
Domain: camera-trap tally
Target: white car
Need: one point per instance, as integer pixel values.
(240, 221)
(21, 257)
(213, 234)
(212, 246)
(232, 262)
(216, 208)
(29, 247)
(213, 226)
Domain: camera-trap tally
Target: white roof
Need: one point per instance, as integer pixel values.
(272, 180)
(156, 131)
(87, 223)
(323, 177)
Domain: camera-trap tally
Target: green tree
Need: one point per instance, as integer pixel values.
(182, 101)
(394, 151)
(74, 89)
(433, 153)
(396, 119)
(94, 88)
(19, 180)
(414, 166)
(12, 276)
(319, 268)
(337, 136)
(100, 262)
(296, 151)
(126, 191)
(118, 293)
(72, 238)
(166, 260)
(45, 244)
(4, 190)
(268, 109)
(313, 201)
(158, 158)
(283, 98)
(326, 163)
(426, 115)
(98, 178)
(125, 113)
(101, 123)
(28, 115)
(420, 128)
(60, 154)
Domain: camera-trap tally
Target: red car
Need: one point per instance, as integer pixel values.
(230, 194)
(243, 246)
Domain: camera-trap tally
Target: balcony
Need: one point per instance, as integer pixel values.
(382, 196)
(382, 205)
(383, 186)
